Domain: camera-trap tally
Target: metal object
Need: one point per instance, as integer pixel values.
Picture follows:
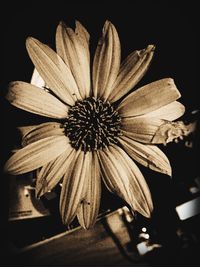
(23, 203)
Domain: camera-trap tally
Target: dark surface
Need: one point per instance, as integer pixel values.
(172, 28)
(112, 242)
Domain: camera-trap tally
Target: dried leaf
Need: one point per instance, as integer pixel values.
(170, 131)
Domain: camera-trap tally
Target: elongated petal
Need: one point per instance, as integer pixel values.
(89, 207)
(36, 154)
(123, 177)
(73, 47)
(148, 155)
(106, 61)
(168, 112)
(141, 129)
(84, 37)
(51, 173)
(26, 129)
(42, 131)
(37, 80)
(31, 98)
(149, 98)
(72, 187)
(131, 72)
(53, 71)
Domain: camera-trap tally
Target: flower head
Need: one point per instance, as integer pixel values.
(100, 128)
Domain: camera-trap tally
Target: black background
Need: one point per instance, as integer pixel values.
(170, 25)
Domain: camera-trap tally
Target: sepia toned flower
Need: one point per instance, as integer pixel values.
(102, 127)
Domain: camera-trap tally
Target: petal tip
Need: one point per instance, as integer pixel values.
(150, 48)
(62, 24)
(5, 169)
(107, 22)
(66, 220)
(107, 26)
(169, 173)
(148, 212)
(39, 192)
(77, 23)
(9, 170)
(87, 225)
(148, 215)
(38, 195)
(30, 42)
(144, 212)
(30, 39)
(8, 167)
(170, 80)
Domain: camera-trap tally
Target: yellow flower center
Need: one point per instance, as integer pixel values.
(92, 124)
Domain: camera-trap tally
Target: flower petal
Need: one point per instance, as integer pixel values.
(72, 186)
(106, 62)
(37, 80)
(141, 129)
(149, 98)
(123, 177)
(84, 36)
(89, 207)
(42, 131)
(26, 129)
(31, 98)
(51, 173)
(53, 71)
(73, 47)
(148, 155)
(168, 112)
(36, 154)
(131, 72)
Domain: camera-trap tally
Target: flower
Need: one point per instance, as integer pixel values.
(101, 128)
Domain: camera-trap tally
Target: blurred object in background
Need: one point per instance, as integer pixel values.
(23, 203)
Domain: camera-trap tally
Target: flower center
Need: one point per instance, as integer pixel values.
(92, 124)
